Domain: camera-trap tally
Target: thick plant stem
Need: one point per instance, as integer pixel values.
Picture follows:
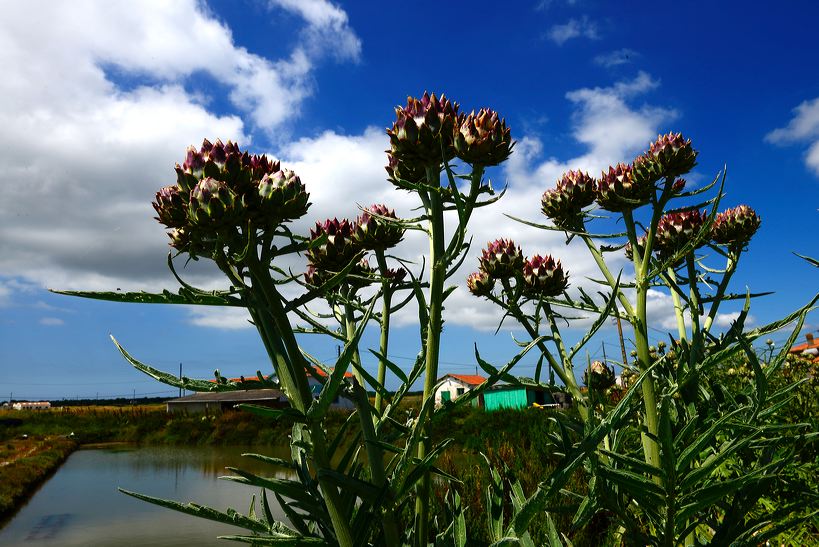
(348, 328)
(386, 299)
(730, 268)
(435, 212)
(651, 449)
(295, 376)
(678, 310)
(604, 269)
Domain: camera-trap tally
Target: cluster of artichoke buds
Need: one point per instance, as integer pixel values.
(565, 202)
(599, 376)
(222, 194)
(335, 243)
(429, 132)
(539, 276)
(735, 227)
(675, 230)
(377, 228)
(622, 187)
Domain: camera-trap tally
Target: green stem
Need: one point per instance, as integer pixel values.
(604, 269)
(568, 369)
(678, 309)
(435, 213)
(730, 268)
(385, 325)
(348, 328)
(639, 322)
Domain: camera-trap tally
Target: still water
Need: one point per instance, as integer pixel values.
(80, 504)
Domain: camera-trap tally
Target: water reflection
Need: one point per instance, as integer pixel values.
(80, 504)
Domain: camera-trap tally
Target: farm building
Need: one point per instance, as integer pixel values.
(511, 396)
(809, 350)
(226, 400)
(455, 385)
(34, 405)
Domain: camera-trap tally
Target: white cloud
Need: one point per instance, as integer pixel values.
(803, 127)
(220, 318)
(328, 28)
(96, 112)
(616, 58)
(52, 322)
(573, 28)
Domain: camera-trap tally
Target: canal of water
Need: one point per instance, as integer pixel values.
(81, 506)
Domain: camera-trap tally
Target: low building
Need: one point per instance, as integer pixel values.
(225, 400)
(521, 396)
(453, 386)
(808, 350)
(31, 405)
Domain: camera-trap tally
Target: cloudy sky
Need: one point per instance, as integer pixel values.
(101, 98)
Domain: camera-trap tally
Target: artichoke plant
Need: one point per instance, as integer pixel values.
(480, 283)
(599, 376)
(565, 202)
(618, 191)
(339, 246)
(482, 138)
(543, 276)
(502, 259)
(423, 132)
(675, 230)
(735, 226)
(377, 228)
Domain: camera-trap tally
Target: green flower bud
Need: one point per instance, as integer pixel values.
(501, 259)
(483, 139)
(544, 277)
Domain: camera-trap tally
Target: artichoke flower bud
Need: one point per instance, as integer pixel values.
(675, 230)
(423, 132)
(395, 275)
(564, 203)
(483, 139)
(646, 170)
(282, 197)
(400, 173)
(373, 229)
(674, 154)
(735, 226)
(641, 245)
(599, 376)
(180, 239)
(212, 203)
(617, 191)
(337, 250)
(501, 259)
(194, 159)
(543, 276)
(480, 284)
(171, 206)
(315, 277)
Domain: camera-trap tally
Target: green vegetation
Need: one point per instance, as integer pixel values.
(26, 463)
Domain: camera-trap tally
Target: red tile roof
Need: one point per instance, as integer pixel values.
(471, 379)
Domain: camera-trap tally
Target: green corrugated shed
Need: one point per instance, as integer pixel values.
(512, 397)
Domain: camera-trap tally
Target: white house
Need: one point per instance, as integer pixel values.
(38, 405)
(455, 385)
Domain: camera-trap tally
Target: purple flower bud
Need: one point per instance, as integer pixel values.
(377, 228)
(501, 259)
(483, 139)
(617, 191)
(674, 154)
(564, 204)
(544, 277)
(735, 226)
(339, 247)
(171, 206)
(675, 230)
(423, 132)
(599, 376)
(480, 284)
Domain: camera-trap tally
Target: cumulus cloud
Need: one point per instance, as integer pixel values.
(802, 128)
(94, 120)
(573, 28)
(52, 322)
(616, 58)
(220, 318)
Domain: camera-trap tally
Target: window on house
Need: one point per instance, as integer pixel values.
(460, 391)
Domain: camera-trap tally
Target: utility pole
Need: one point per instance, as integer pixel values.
(180, 379)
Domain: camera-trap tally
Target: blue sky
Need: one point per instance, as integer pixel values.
(100, 100)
